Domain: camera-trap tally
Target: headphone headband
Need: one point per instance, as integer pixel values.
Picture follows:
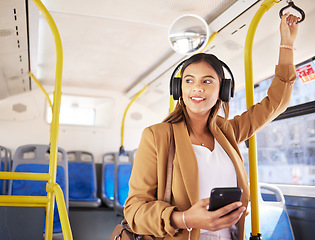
(227, 87)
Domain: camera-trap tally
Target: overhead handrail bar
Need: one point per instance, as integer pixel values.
(249, 86)
(292, 5)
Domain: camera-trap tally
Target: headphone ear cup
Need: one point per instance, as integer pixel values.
(226, 90)
(176, 88)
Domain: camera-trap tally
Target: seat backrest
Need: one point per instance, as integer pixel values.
(274, 221)
(123, 167)
(35, 159)
(4, 167)
(108, 179)
(82, 179)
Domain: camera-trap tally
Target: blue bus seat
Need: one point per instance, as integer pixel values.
(108, 179)
(5, 166)
(35, 159)
(3, 163)
(274, 221)
(123, 167)
(82, 180)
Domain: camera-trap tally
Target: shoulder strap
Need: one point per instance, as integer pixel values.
(171, 154)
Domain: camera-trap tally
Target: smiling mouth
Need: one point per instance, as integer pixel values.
(198, 98)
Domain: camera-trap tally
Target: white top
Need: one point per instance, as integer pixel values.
(215, 170)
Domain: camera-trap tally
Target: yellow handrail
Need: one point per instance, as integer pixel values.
(213, 35)
(25, 176)
(172, 104)
(125, 113)
(65, 225)
(249, 84)
(24, 199)
(41, 88)
(52, 188)
(54, 128)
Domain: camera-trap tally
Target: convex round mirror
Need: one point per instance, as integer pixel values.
(188, 34)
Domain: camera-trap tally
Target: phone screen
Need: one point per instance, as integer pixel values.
(220, 197)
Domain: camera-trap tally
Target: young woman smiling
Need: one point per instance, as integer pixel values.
(206, 150)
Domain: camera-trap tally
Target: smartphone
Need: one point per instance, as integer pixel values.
(220, 197)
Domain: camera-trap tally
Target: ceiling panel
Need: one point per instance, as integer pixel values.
(111, 44)
(122, 45)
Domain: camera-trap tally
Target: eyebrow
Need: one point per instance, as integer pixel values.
(207, 76)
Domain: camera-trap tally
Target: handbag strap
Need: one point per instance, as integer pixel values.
(171, 154)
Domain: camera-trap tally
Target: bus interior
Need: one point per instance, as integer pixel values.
(115, 66)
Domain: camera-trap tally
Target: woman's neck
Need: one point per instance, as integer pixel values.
(201, 135)
(198, 123)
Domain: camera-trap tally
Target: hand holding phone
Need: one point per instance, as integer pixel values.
(220, 197)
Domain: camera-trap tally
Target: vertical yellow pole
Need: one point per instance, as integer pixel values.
(54, 130)
(253, 178)
(172, 104)
(125, 113)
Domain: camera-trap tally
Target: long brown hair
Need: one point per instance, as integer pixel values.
(180, 113)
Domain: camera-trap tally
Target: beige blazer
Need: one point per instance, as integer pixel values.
(145, 210)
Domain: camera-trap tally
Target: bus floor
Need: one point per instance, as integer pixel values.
(93, 223)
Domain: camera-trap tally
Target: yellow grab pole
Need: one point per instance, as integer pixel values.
(249, 84)
(209, 41)
(54, 129)
(41, 88)
(65, 225)
(125, 113)
(172, 104)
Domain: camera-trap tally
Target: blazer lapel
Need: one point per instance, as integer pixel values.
(187, 161)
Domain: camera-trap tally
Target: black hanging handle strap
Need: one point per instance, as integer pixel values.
(291, 4)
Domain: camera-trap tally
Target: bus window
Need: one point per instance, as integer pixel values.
(83, 111)
(285, 145)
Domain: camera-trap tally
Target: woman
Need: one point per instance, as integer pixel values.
(206, 152)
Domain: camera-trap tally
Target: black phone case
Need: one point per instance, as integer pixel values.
(221, 197)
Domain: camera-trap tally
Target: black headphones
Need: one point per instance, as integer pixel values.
(226, 89)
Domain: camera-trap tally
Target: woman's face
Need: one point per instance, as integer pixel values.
(200, 88)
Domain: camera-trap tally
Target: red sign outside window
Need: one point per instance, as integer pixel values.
(306, 73)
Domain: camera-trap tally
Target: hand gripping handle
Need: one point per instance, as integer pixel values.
(291, 4)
